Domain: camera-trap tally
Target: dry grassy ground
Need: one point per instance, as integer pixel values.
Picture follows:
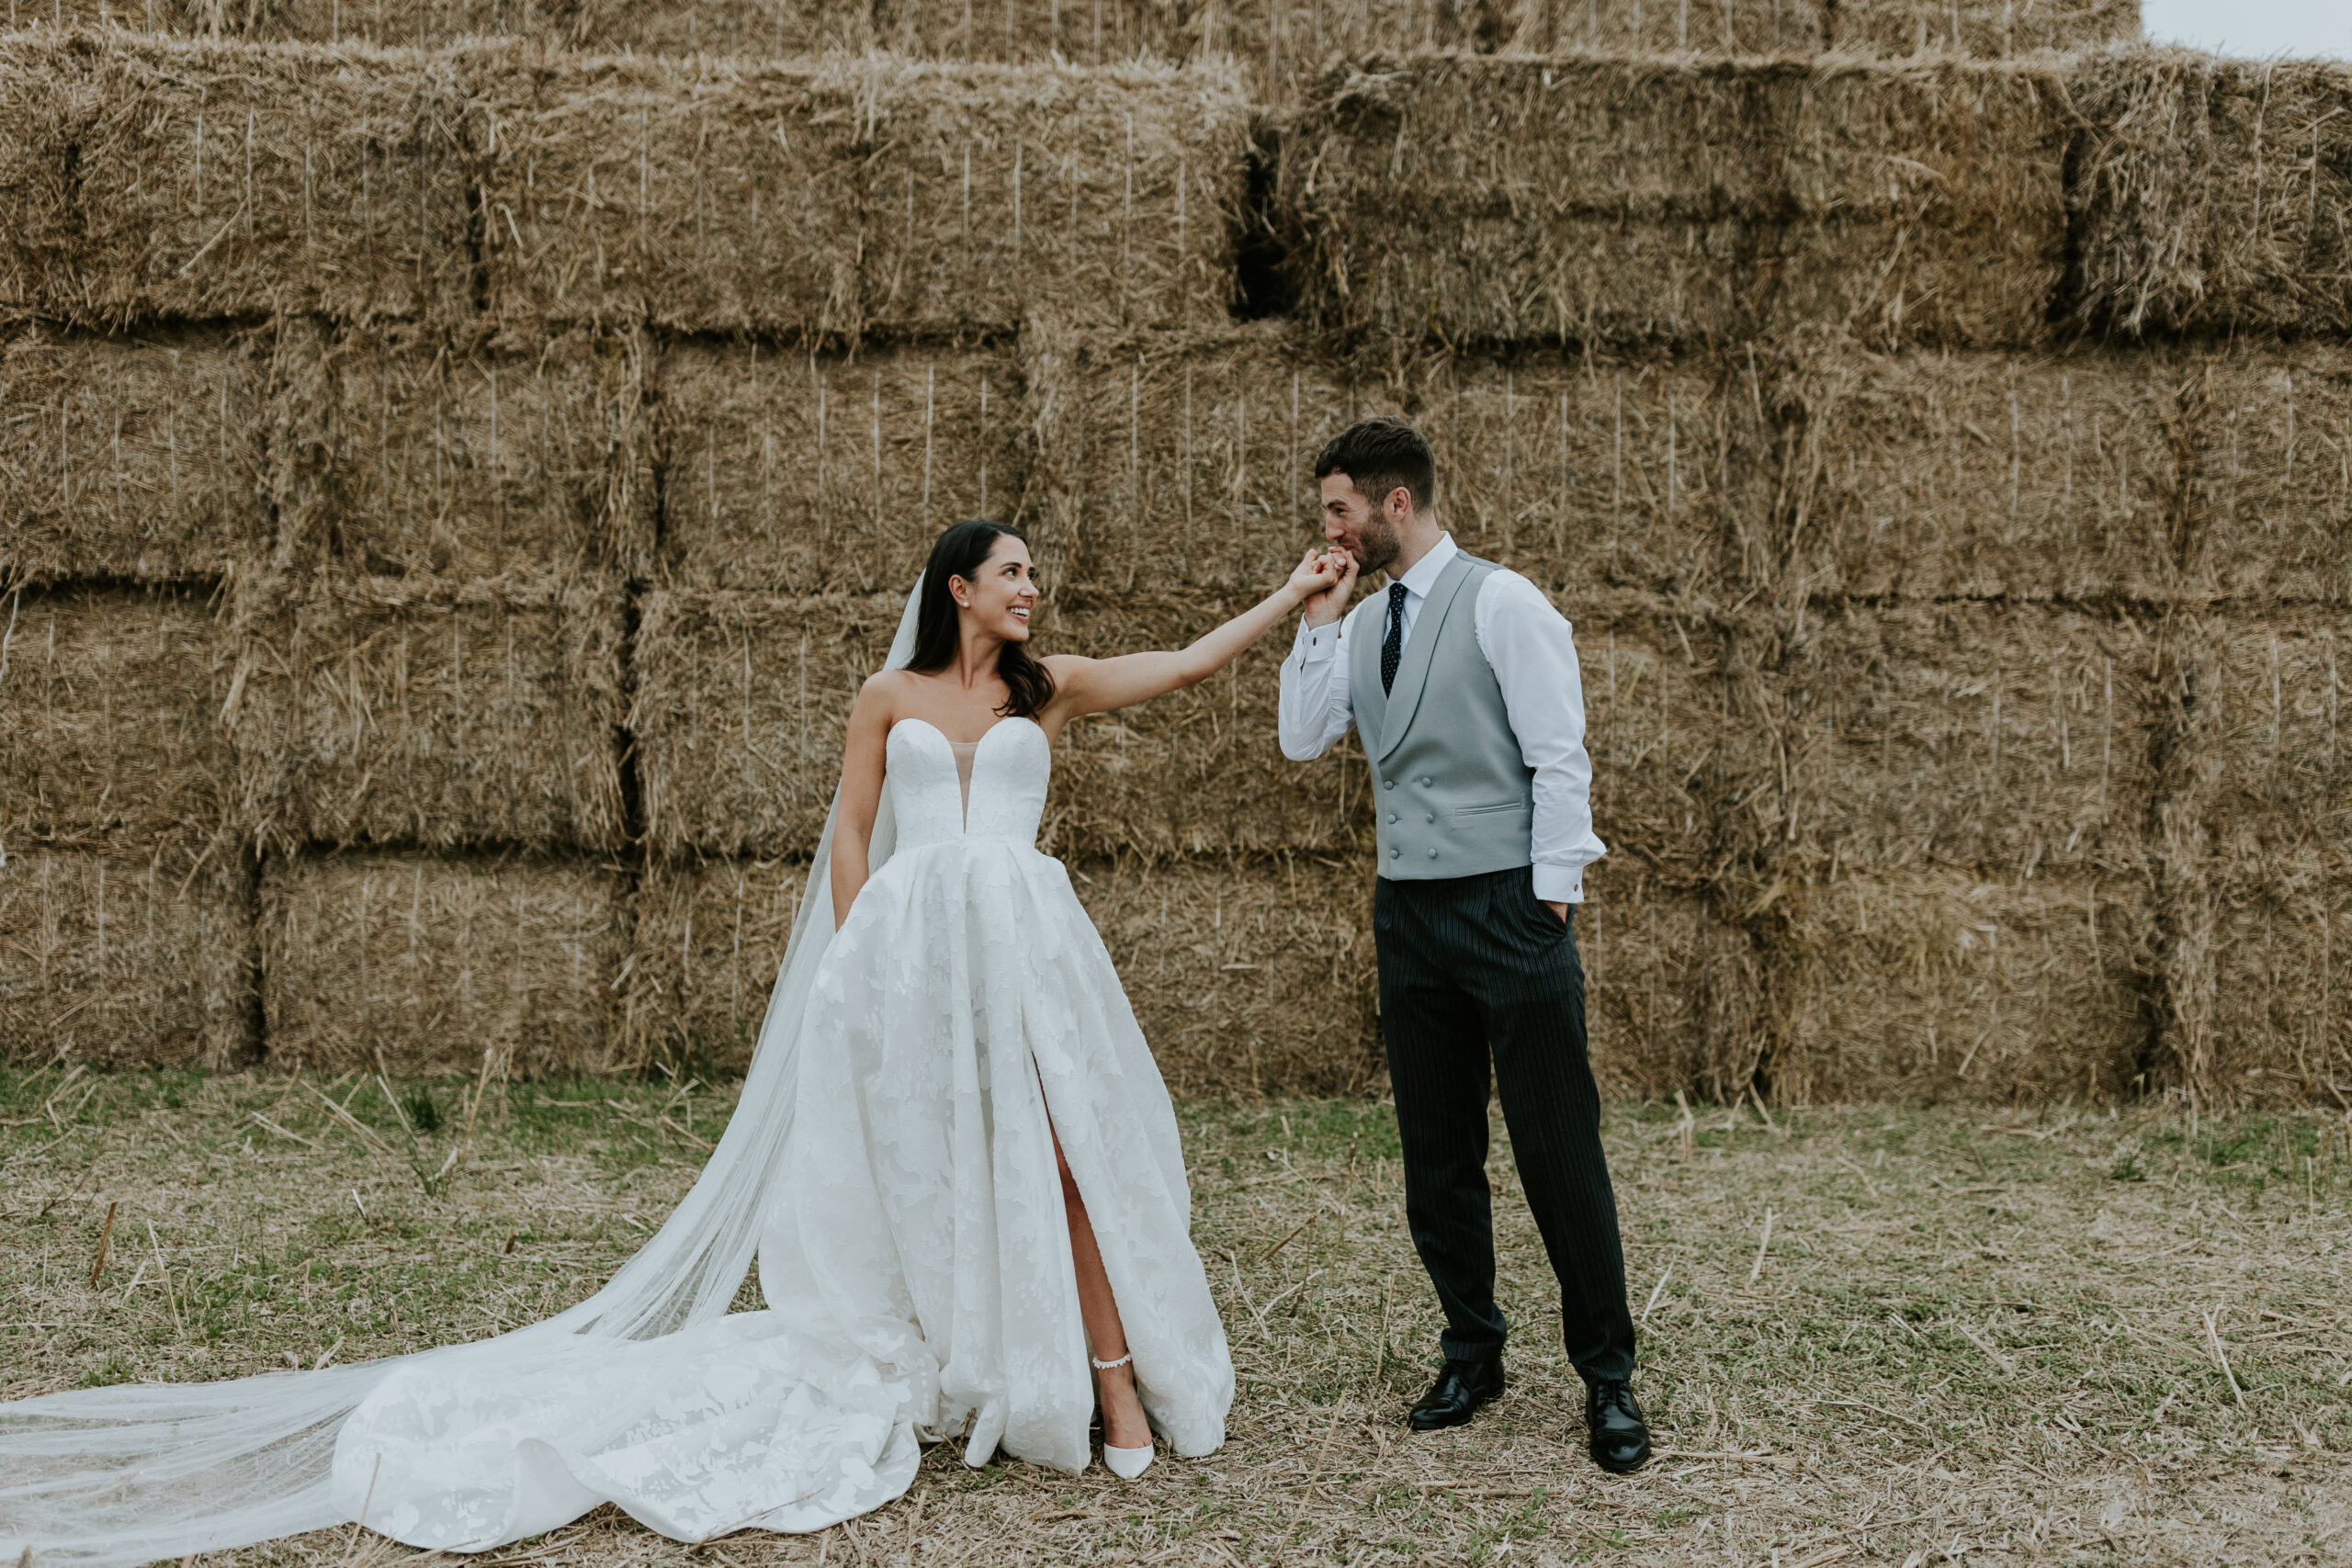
(1964, 1337)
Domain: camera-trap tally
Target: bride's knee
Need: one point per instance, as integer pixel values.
(1071, 1197)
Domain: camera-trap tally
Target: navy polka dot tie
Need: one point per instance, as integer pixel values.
(1392, 647)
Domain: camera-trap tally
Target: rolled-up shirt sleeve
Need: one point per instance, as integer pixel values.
(1532, 651)
(1315, 712)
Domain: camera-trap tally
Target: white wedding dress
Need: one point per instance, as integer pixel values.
(920, 1281)
(890, 1162)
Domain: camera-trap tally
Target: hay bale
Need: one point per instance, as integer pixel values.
(227, 180)
(1198, 770)
(1433, 197)
(47, 101)
(424, 962)
(1929, 985)
(1941, 475)
(419, 451)
(825, 473)
(1983, 27)
(1278, 44)
(127, 960)
(1667, 728)
(1186, 460)
(113, 738)
(2000, 738)
(740, 703)
(1594, 470)
(844, 197)
(2273, 718)
(1108, 196)
(705, 946)
(129, 456)
(1181, 459)
(2270, 500)
(1668, 27)
(1250, 979)
(1019, 30)
(429, 712)
(1672, 989)
(2281, 1008)
(2213, 193)
(1928, 202)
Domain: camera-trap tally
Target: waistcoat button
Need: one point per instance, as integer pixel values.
(1388, 784)
(1392, 818)
(1425, 783)
(1432, 855)
(1393, 852)
(1432, 815)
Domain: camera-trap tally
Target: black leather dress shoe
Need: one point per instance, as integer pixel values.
(1460, 1389)
(1618, 1436)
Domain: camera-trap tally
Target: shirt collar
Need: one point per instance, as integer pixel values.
(1424, 575)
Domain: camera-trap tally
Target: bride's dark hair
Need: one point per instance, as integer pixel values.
(961, 552)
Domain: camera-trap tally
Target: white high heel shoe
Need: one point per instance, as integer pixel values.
(1124, 1463)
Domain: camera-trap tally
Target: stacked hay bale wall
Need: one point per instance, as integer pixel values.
(461, 461)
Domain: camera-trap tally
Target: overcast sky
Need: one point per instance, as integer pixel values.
(2256, 28)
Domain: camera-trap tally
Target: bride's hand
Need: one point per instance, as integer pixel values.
(1323, 581)
(1313, 578)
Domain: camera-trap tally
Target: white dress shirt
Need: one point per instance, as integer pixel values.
(1531, 649)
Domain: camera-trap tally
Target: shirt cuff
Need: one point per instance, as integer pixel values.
(1316, 644)
(1559, 884)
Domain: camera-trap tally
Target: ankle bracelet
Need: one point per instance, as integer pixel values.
(1106, 1366)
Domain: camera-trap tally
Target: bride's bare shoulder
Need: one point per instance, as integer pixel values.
(884, 696)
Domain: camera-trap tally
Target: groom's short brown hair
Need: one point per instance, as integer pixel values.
(1379, 456)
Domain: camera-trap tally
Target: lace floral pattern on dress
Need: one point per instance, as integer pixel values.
(916, 1258)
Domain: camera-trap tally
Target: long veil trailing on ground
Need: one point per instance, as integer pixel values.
(128, 1474)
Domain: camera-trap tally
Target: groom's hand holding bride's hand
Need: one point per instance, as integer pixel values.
(1323, 581)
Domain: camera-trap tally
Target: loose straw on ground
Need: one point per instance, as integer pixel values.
(105, 1237)
(2213, 1338)
(1321, 1454)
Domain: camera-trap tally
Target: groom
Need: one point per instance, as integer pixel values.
(1463, 681)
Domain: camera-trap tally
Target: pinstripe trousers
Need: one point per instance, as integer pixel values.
(1474, 969)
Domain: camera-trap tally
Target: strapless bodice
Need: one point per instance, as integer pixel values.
(1011, 766)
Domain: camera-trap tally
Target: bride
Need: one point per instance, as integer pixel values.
(953, 1158)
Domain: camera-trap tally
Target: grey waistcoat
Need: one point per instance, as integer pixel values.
(1452, 793)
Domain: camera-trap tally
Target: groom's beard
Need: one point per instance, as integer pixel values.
(1376, 548)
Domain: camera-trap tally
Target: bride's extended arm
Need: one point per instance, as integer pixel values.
(1097, 685)
(861, 796)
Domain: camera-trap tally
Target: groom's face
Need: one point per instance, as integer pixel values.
(1360, 526)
